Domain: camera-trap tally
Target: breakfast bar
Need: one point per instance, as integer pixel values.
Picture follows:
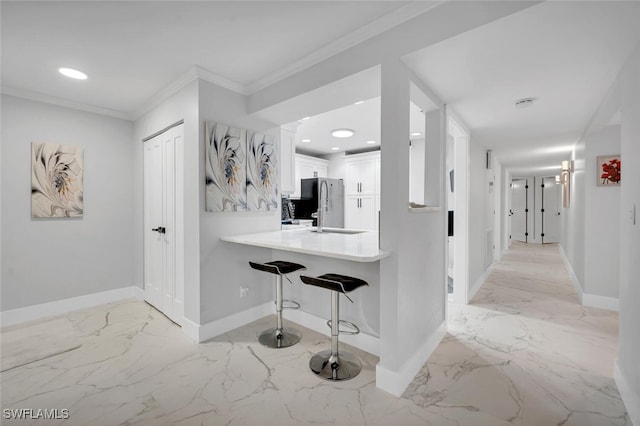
(335, 250)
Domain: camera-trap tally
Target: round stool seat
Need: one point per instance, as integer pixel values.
(279, 336)
(334, 364)
(278, 267)
(335, 282)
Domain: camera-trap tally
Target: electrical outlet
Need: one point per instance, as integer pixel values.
(244, 292)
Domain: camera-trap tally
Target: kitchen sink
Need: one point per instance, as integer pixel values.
(338, 231)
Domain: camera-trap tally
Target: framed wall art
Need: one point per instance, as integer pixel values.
(608, 170)
(56, 180)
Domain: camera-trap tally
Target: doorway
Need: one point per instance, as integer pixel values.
(163, 236)
(519, 210)
(457, 177)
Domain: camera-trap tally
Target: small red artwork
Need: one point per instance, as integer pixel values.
(609, 170)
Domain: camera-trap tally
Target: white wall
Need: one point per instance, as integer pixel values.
(480, 221)
(628, 87)
(181, 106)
(336, 165)
(572, 235)
(624, 97)
(45, 260)
(602, 219)
(224, 267)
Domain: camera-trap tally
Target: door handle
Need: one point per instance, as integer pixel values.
(160, 229)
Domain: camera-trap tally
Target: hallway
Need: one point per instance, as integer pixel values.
(525, 351)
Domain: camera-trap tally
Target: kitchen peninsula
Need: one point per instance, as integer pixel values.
(341, 251)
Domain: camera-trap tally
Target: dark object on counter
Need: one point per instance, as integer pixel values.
(334, 364)
(309, 202)
(279, 337)
(450, 223)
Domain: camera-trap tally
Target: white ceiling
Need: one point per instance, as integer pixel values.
(565, 54)
(131, 50)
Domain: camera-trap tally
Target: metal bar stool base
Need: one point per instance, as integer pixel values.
(347, 368)
(288, 337)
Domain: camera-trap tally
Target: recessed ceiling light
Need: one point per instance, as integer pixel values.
(71, 73)
(371, 142)
(416, 134)
(359, 103)
(306, 140)
(342, 133)
(304, 118)
(335, 148)
(524, 103)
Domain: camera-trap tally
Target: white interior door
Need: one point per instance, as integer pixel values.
(153, 221)
(161, 235)
(518, 212)
(551, 213)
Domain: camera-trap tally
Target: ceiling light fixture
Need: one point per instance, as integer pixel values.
(524, 102)
(416, 134)
(359, 103)
(71, 73)
(306, 140)
(371, 142)
(304, 118)
(342, 133)
(335, 148)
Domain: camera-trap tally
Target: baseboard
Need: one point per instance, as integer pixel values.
(479, 282)
(602, 302)
(395, 382)
(630, 397)
(366, 342)
(138, 292)
(60, 307)
(203, 332)
(572, 273)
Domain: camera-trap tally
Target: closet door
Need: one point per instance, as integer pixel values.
(162, 238)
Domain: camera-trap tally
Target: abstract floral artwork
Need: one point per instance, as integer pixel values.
(225, 169)
(262, 172)
(608, 170)
(56, 180)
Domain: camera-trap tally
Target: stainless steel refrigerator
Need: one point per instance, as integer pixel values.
(334, 208)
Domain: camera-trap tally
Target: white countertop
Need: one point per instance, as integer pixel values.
(362, 247)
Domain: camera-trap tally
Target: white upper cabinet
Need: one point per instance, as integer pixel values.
(287, 159)
(308, 167)
(362, 190)
(362, 174)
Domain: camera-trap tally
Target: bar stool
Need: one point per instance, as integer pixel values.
(279, 337)
(334, 364)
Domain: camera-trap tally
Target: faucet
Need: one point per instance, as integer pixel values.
(324, 204)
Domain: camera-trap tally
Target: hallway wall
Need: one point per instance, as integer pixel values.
(624, 98)
(46, 260)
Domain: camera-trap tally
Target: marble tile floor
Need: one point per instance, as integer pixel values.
(524, 352)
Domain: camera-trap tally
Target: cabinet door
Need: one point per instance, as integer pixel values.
(352, 177)
(368, 213)
(368, 177)
(287, 166)
(352, 212)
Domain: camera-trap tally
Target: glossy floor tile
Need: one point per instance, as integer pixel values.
(523, 353)
(525, 350)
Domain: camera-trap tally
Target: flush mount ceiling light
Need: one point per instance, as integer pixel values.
(71, 73)
(306, 140)
(304, 118)
(524, 103)
(416, 134)
(342, 133)
(359, 103)
(335, 148)
(371, 142)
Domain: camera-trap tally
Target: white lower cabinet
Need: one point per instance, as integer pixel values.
(361, 212)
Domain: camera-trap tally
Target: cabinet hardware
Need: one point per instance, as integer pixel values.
(160, 229)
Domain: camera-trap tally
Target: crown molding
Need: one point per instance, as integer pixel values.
(164, 94)
(53, 100)
(352, 39)
(218, 80)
